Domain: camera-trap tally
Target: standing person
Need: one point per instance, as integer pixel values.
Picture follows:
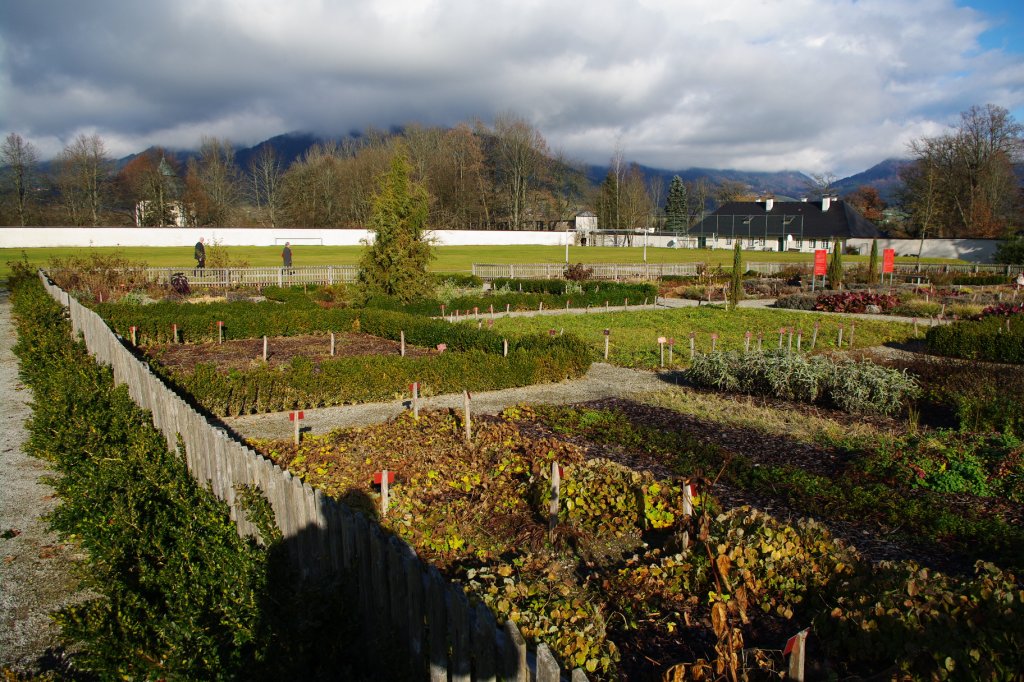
(200, 254)
(286, 255)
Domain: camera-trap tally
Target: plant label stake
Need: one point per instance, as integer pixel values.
(782, 332)
(714, 341)
(789, 345)
(264, 348)
(174, 333)
(693, 337)
(442, 310)
(567, 302)
(384, 478)
(689, 492)
(332, 344)
(220, 331)
(661, 347)
(469, 428)
(401, 336)
(414, 388)
(625, 304)
(492, 311)
(476, 311)
(540, 307)
(915, 328)
(135, 339)
(556, 484)
(814, 336)
(799, 338)
(606, 308)
(296, 417)
(760, 340)
(479, 324)
(796, 650)
(746, 341)
(504, 343)
(840, 342)
(508, 307)
(671, 346)
(607, 334)
(853, 328)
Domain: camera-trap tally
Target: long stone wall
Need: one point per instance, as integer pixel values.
(401, 596)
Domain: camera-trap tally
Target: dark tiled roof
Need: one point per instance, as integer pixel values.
(841, 220)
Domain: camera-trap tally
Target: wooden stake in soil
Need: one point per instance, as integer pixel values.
(556, 485)
(671, 347)
(220, 331)
(402, 342)
(469, 428)
(853, 328)
(504, 343)
(384, 493)
(760, 340)
(297, 417)
(814, 337)
(796, 649)
(693, 337)
(134, 332)
(414, 387)
(714, 341)
(607, 334)
(661, 348)
(174, 333)
(606, 308)
(782, 332)
(915, 328)
(332, 344)
(839, 344)
(799, 339)
(746, 342)
(789, 345)
(264, 348)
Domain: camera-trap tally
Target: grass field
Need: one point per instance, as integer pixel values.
(634, 335)
(449, 258)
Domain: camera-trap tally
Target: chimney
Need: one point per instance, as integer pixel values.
(826, 201)
(768, 203)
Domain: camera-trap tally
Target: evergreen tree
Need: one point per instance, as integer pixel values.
(873, 262)
(676, 209)
(396, 263)
(736, 285)
(835, 266)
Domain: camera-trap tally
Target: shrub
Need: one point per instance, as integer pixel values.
(851, 386)
(855, 302)
(797, 301)
(578, 272)
(1010, 252)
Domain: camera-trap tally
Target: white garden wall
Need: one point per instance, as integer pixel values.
(970, 250)
(31, 237)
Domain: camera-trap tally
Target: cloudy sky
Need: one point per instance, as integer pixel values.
(809, 85)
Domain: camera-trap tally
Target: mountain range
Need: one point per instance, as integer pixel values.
(790, 184)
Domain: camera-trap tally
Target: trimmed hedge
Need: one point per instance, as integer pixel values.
(179, 595)
(993, 339)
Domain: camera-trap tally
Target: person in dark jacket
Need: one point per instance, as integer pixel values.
(200, 254)
(286, 255)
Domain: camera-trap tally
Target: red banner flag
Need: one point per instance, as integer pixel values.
(820, 262)
(888, 260)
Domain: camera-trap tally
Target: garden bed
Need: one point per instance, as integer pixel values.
(243, 353)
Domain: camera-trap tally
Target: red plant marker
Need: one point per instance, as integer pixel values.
(378, 477)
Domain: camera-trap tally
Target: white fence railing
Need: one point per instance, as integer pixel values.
(772, 268)
(611, 271)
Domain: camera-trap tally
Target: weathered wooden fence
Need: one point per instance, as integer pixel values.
(610, 271)
(400, 596)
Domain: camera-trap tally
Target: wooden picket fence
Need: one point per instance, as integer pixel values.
(400, 596)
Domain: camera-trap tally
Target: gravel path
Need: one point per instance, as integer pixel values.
(35, 567)
(601, 381)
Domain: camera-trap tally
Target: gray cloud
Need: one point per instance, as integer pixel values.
(812, 85)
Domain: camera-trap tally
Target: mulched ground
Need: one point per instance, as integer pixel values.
(244, 353)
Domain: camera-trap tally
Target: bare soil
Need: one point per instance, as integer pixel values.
(244, 353)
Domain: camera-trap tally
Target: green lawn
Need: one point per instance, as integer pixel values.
(449, 258)
(634, 335)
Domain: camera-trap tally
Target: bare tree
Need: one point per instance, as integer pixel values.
(213, 184)
(521, 162)
(820, 184)
(266, 172)
(83, 176)
(18, 159)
